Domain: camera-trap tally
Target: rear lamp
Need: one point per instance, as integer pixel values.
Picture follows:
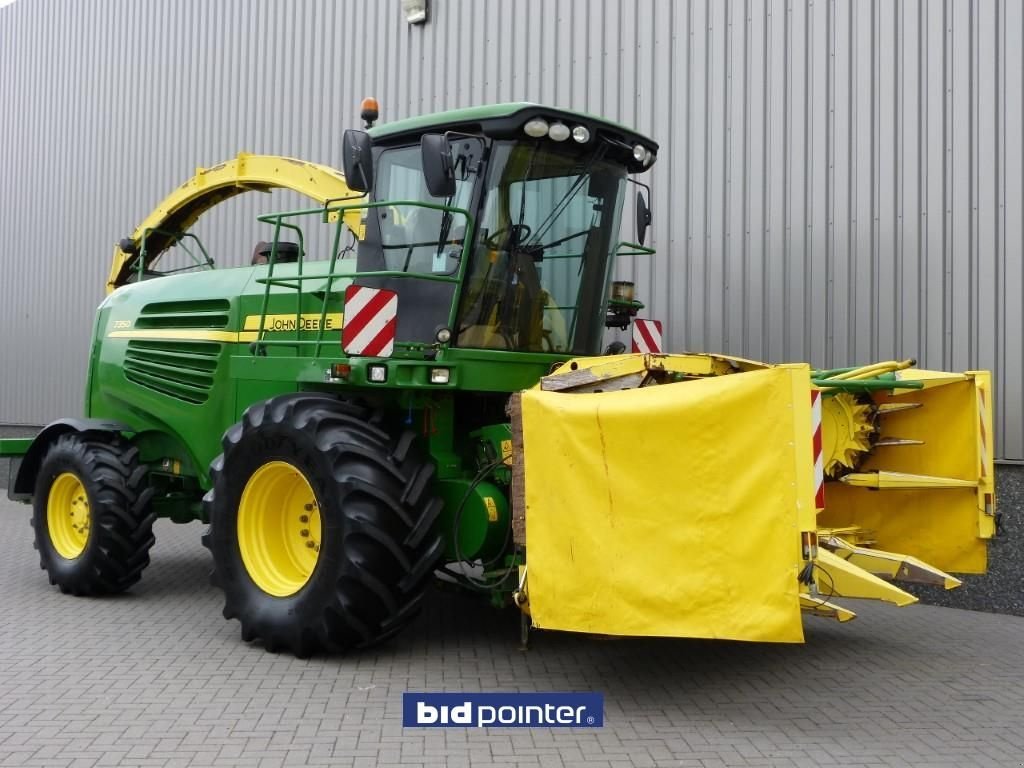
(580, 134)
(439, 375)
(377, 373)
(537, 128)
(640, 153)
(559, 131)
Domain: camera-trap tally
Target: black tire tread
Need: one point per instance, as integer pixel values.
(391, 545)
(122, 520)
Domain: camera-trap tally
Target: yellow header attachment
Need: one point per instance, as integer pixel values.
(210, 186)
(677, 495)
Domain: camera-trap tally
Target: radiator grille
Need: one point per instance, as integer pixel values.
(184, 370)
(203, 313)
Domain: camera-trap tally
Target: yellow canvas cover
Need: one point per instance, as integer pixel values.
(670, 510)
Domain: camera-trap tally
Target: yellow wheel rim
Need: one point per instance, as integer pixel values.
(67, 516)
(279, 529)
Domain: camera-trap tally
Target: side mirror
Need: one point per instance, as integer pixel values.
(643, 217)
(357, 160)
(437, 164)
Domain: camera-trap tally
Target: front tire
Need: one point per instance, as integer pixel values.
(322, 525)
(91, 514)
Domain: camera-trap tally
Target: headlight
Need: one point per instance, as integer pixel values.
(443, 335)
(580, 134)
(536, 128)
(439, 375)
(378, 374)
(559, 131)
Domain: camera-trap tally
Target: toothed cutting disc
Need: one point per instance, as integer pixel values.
(847, 430)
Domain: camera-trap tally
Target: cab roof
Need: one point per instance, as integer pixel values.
(503, 121)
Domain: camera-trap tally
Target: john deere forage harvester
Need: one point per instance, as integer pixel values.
(422, 394)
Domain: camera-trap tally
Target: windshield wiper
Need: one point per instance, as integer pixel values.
(522, 197)
(569, 195)
(447, 217)
(562, 240)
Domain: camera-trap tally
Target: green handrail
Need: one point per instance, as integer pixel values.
(637, 249)
(331, 275)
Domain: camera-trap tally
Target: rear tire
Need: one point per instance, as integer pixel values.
(91, 514)
(361, 497)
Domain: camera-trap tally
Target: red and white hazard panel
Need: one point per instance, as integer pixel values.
(819, 460)
(371, 317)
(647, 336)
(982, 437)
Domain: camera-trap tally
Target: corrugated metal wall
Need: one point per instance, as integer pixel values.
(840, 181)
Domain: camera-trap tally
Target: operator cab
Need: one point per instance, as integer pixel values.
(521, 203)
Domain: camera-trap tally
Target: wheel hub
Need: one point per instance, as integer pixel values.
(279, 529)
(67, 516)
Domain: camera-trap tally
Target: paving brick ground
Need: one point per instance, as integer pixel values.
(157, 678)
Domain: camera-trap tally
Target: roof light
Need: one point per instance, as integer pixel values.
(369, 110)
(649, 161)
(639, 153)
(537, 128)
(580, 134)
(559, 131)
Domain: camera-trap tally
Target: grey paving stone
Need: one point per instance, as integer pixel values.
(157, 678)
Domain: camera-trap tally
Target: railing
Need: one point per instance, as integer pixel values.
(335, 214)
(635, 249)
(179, 237)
